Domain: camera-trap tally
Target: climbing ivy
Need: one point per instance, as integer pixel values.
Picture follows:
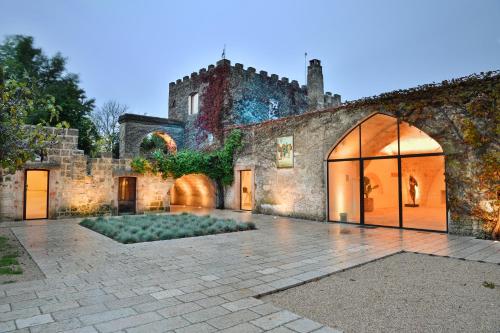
(475, 129)
(217, 164)
(215, 102)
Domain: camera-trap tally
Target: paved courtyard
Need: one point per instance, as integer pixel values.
(201, 284)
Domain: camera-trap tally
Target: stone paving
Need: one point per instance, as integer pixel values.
(201, 284)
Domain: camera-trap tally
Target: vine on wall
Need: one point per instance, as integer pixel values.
(473, 169)
(215, 102)
(217, 164)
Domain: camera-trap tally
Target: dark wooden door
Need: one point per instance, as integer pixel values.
(126, 195)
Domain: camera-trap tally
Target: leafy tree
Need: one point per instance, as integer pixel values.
(22, 62)
(217, 165)
(106, 121)
(20, 143)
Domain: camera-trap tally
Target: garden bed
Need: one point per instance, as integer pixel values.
(148, 228)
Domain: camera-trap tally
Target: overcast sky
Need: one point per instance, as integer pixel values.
(130, 50)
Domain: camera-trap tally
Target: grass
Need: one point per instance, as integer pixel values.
(147, 228)
(9, 265)
(488, 284)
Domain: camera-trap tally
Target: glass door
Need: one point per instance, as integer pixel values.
(36, 197)
(423, 193)
(381, 192)
(246, 190)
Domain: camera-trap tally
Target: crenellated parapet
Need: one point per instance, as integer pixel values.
(237, 69)
(255, 95)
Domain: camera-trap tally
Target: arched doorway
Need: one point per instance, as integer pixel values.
(157, 140)
(195, 190)
(386, 172)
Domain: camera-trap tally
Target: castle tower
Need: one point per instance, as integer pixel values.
(315, 89)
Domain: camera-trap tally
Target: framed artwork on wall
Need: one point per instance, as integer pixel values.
(284, 152)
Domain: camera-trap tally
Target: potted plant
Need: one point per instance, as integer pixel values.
(368, 188)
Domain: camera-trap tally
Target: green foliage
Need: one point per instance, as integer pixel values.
(489, 285)
(152, 143)
(217, 164)
(48, 79)
(9, 265)
(147, 228)
(20, 143)
(475, 129)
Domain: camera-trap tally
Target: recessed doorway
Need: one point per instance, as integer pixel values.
(36, 194)
(126, 195)
(245, 189)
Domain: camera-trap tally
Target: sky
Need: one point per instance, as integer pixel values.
(129, 51)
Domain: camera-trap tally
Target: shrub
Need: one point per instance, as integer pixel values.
(133, 229)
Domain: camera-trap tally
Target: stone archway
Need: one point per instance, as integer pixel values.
(195, 190)
(386, 172)
(133, 128)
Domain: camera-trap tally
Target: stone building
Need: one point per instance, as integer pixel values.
(67, 183)
(255, 97)
(407, 159)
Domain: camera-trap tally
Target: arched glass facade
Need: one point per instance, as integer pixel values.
(386, 172)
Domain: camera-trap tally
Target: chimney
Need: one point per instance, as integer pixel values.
(315, 89)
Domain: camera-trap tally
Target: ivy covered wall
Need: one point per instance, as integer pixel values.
(461, 115)
(232, 95)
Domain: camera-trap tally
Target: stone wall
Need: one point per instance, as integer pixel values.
(256, 96)
(81, 186)
(301, 191)
(134, 128)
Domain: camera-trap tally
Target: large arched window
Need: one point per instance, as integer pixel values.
(386, 172)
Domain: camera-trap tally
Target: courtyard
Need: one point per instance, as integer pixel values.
(205, 284)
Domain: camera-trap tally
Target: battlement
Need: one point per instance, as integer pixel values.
(238, 69)
(257, 95)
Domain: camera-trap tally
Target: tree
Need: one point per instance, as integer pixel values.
(20, 143)
(45, 76)
(106, 121)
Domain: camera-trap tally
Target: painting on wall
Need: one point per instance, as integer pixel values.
(284, 152)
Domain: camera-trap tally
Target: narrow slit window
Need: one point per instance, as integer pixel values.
(193, 103)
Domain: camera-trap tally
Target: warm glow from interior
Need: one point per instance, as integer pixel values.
(246, 189)
(36, 194)
(422, 180)
(195, 190)
(415, 145)
(169, 142)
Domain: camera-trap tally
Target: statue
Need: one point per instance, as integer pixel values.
(368, 202)
(413, 184)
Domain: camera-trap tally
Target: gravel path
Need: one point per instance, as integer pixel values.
(406, 292)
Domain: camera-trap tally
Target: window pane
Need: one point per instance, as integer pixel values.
(348, 147)
(424, 193)
(381, 195)
(414, 141)
(195, 103)
(379, 136)
(343, 191)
